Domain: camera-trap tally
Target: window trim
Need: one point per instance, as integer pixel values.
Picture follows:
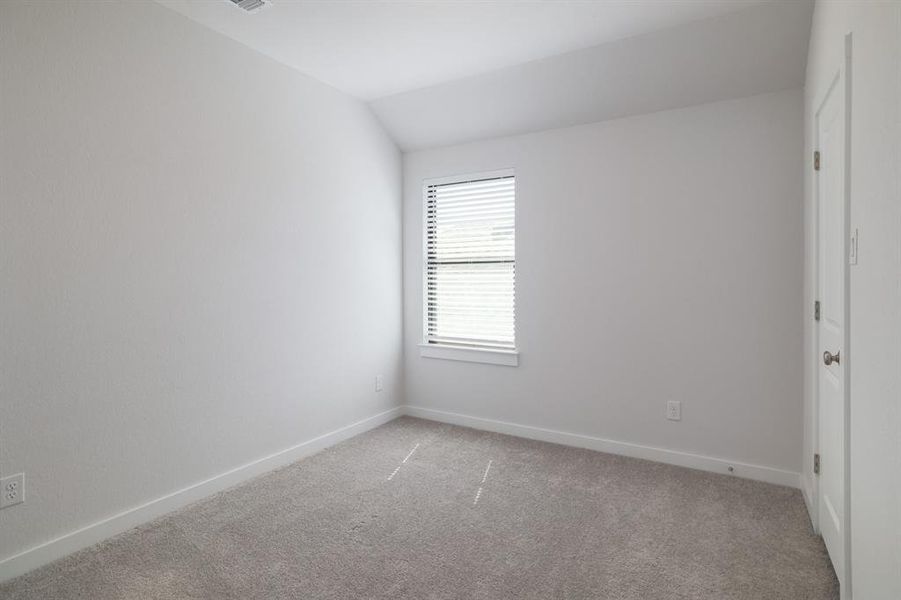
(509, 358)
(446, 351)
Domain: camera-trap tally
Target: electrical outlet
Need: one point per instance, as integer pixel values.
(378, 383)
(12, 490)
(674, 410)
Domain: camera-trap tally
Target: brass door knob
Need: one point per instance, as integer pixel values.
(829, 357)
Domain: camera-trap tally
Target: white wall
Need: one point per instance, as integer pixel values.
(875, 325)
(658, 258)
(200, 260)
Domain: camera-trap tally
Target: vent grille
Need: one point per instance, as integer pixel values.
(249, 5)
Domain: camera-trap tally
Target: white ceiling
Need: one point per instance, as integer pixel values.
(439, 72)
(758, 50)
(375, 48)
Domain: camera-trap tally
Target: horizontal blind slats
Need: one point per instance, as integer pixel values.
(471, 186)
(470, 258)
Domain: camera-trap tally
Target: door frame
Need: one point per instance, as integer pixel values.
(841, 74)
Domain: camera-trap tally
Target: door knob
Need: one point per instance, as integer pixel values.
(829, 357)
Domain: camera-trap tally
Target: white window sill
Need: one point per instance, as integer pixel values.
(509, 358)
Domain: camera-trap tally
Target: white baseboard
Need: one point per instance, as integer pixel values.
(47, 552)
(662, 455)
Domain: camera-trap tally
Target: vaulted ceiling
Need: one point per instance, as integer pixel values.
(445, 72)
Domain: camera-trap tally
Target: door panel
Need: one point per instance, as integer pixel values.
(832, 266)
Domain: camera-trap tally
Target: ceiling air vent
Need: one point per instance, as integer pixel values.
(250, 5)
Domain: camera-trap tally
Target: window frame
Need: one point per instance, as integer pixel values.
(427, 349)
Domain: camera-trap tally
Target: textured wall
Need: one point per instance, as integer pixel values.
(658, 258)
(201, 259)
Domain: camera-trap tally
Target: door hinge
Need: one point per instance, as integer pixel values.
(816, 310)
(816, 160)
(816, 464)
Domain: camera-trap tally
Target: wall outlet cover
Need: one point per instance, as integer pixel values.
(12, 490)
(674, 410)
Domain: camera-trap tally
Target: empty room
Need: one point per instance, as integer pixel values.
(450, 299)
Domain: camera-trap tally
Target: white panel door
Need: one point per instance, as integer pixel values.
(832, 269)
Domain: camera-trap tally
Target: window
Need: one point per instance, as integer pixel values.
(470, 264)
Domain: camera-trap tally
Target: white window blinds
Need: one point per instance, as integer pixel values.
(470, 263)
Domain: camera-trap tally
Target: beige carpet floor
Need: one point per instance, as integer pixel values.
(412, 510)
